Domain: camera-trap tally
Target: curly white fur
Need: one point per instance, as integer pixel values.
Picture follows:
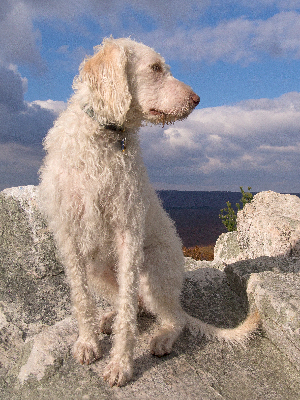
(112, 232)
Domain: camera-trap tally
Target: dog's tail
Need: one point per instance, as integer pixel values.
(238, 335)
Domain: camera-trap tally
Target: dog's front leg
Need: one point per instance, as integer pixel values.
(87, 347)
(120, 369)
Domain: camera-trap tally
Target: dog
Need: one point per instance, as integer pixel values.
(113, 235)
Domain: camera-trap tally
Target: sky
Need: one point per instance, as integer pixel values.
(242, 58)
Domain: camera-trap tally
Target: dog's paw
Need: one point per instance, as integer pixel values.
(106, 322)
(86, 351)
(118, 372)
(162, 343)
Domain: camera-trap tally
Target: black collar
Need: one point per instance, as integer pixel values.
(114, 127)
(110, 126)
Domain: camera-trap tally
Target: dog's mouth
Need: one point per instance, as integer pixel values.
(153, 111)
(161, 117)
(167, 118)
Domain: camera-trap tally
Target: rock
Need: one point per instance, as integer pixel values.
(37, 330)
(268, 226)
(33, 291)
(48, 348)
(25, 239)
(227, 249)
(277, 298)
(238, 273)
(262, 264)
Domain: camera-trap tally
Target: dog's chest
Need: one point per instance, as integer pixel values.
(116, 176)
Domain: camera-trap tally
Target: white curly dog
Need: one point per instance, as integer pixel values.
(114, 237)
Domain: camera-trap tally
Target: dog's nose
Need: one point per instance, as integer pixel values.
(195, 99)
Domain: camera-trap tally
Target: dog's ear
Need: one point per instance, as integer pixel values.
(106, 75)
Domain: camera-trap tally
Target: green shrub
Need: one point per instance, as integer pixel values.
(228, 215)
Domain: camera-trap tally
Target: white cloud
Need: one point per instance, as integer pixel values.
(18, 36)
(255, 141)
(281, 149)
(240, 40)
(55, 106)
(157, 9)
(22, 129)
(19, 164)
(279, 4)
(22, 122)
(21, 135)
(12, 87)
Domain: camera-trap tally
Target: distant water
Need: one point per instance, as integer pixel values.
(196, 214)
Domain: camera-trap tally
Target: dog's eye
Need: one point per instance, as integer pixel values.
(156, 67)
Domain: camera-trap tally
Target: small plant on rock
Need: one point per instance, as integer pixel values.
(228, 215)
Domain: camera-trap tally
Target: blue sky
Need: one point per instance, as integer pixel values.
(242, 59)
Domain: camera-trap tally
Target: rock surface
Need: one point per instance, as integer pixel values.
(257, 266)
(268, 226)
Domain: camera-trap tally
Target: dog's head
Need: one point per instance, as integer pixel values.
(129, 82)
